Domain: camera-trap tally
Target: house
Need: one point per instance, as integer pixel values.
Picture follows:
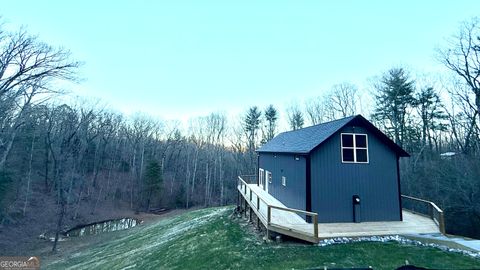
(345, 170)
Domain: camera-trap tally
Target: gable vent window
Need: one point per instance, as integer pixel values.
(354, 148)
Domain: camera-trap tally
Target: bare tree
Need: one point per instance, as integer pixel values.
(140, 131)
(315, 110)
(65, 123)
(198, 137)
(27, 68)
(341, 101)
(462, 56)
(215, 125)
(462, 115)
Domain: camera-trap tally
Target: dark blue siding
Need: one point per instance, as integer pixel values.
(293, 194)
(333, 183)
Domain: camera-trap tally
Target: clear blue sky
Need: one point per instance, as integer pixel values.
(178, 59)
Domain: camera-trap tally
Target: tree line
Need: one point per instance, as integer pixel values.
(83, 158)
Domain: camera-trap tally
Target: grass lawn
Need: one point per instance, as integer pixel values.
(210, 239)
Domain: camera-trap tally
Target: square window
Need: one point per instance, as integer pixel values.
(354, 148)
(361, 141)
(347, 140)
(362, 155)
(348, 155)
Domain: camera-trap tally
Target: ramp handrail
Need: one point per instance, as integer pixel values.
(244, 186)
(435, 213)
(250, 178)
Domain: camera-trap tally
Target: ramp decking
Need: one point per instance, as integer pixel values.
(276, 217)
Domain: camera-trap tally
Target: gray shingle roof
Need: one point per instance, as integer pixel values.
(302, 141)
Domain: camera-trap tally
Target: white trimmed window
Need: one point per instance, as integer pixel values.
(354, 148)
(284, 181)
(261, 177)
(269, 177)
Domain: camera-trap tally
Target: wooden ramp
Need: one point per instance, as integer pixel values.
(276, 217)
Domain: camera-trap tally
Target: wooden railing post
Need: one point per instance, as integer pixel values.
(238, 200)
(269, 214)
(441, 222)
(315, 226)
(250, 194)
(258, 202)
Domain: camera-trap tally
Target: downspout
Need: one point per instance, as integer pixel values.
(399, 191)
(257, 170)
(308, 188)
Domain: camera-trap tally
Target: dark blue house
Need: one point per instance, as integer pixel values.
(345, 170)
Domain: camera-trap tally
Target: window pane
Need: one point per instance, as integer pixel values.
(347, 155)
(347, 140)
(361, 141)
(361, 155)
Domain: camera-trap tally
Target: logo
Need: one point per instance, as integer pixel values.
(19, 263)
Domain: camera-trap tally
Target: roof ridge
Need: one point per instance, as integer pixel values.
(306, 139)
(324, 123)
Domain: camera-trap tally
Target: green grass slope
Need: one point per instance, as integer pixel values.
(210, 239)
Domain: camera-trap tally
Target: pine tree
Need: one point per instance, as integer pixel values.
(430, 109)
(393, 99)
(295, 117)
(271, 116)
(296, 120)
(153, 181)
(252, 125)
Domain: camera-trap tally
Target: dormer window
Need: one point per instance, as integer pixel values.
(354, 148)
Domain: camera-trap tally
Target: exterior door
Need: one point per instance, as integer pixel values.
(261, 177)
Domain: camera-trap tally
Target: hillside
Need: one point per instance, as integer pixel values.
(212, 239)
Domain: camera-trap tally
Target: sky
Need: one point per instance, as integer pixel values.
(182, 59)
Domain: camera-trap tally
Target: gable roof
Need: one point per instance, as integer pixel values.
(304, 140)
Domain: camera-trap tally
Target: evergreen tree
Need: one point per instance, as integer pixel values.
(295, 117)
(430, 110)
(393, 99)
(153, 181)
(252, 125)
(271, 116)
(296, 120)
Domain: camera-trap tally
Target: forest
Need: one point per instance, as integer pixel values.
(64, 163)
